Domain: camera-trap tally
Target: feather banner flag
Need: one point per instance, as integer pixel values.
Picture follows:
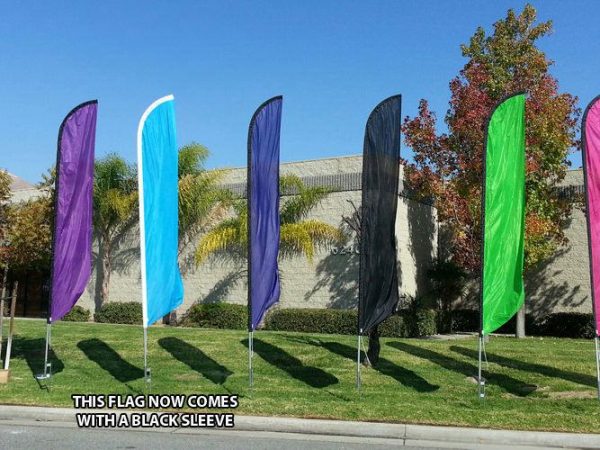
(263, 210)
(590, 142)
(378, 273)
(162, 287)
(503, 214)
(72, 241)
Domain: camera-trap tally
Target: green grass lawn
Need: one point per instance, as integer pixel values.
(533, 384)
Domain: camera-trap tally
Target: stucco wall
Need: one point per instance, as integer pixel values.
(329, 281)
(563, 282)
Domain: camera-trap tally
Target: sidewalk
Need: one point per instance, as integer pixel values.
(402, 432)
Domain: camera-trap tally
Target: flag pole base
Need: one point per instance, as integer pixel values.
(597, 343)
(147, 370)
(1, 323)
(250, 356)
(11, 327)
(47, 374)
(480, 379)
(358, 380)
(148, 378)
(2, 298)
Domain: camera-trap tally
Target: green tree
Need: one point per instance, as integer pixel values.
(4, 199)
(202, 203)
(29, 235)
(115, 208)
(449, 165)
(4, 187)
(28, 230)
(298, 235)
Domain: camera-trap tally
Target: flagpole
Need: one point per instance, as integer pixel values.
(4, 281)
(143, 241)
(250, 356)
(13, 307)
(480, 380)
(147, 373)
(142, 223)
(597, 364)
(584, 150)
(358, 363)
(47, 366)
(480, 390)
(46, 374)
(249, 248)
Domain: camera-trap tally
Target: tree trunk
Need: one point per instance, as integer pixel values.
(106, 270)
(520, 332)
(374, 346)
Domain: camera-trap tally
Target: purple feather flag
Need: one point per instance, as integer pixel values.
(263, 210)
(72, 243)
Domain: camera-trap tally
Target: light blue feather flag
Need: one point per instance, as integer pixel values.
(162, 288)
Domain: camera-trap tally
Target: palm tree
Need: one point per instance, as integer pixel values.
(115, 208)
(202, 203)
(298, 235)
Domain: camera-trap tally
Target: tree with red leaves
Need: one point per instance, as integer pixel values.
(448, 166)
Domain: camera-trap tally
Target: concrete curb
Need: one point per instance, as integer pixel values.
(342, 428)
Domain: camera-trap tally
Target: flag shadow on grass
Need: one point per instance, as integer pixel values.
(106, 357)
(547, 371)
(384, 366)
(313, 376)
(33, 351)
(505, 382)
(195, 359)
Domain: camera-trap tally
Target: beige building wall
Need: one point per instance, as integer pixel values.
(563, 282)
(329, 281)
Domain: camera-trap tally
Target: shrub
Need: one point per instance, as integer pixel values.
(117, 312)
(510, 327)
(217, 315)
(448, 281)
(468, 320)
(464, 320)
(394, 326)
(560, 324)
(422, 322)
(309, 320)
(567, 324)
(341, 321)
(77, 314)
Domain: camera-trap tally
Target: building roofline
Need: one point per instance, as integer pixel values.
(357, 155)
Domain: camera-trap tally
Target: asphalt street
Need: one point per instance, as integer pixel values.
(52, 435)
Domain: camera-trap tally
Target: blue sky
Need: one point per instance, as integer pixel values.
(332, 60)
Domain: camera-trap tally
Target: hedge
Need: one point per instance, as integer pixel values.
(77, 314)
(117, 312)
(414, 322)
(424, 323)
(309, 320)
(560, 324)
(217, 315)
(342, 321)
(463, 320)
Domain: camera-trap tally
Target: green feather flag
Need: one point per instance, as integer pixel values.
(502, 288)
